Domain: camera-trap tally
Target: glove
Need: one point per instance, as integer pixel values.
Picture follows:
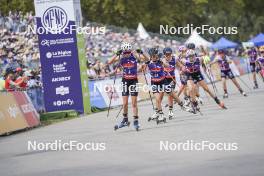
(119, 52)
(139, 51)
(206, 60)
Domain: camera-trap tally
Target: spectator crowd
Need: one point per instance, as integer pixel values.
(19, 53)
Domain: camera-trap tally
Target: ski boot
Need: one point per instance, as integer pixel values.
(187, 101)
(154, 116)
(123, 123)
(184, 107)
(200, 100)
(170, 115)
(161, 118)
(195, 107)
(221, 104)
(256, 86)
(225, 95)
(243, 93)
(136, 124)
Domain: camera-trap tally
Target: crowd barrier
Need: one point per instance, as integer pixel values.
(19, 110)
(16, 112)
(37, 97)
(100, 90)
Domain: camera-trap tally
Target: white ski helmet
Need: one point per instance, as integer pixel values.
(182, 48)
(125, 46)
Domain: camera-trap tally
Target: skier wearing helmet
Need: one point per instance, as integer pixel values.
(192, 65)
(127, 59)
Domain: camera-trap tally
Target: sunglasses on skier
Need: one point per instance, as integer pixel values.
(127, 52)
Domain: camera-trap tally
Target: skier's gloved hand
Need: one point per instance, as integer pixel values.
(206, 60)
(119, 52)
(139, 51)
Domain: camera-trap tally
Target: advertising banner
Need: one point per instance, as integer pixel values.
(59, 55)
(27, 108)
(96, 97)
(84, 77)
(11, 117)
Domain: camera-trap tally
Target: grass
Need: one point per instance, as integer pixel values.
(58, 116)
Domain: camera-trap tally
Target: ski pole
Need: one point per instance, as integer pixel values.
(112, 92)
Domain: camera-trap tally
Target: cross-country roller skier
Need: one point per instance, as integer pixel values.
(183, 76)
(128, 60)
(260, 60)
(159, 83)
(192, 65)
(253, 54)
(224, 63)
(170, 79)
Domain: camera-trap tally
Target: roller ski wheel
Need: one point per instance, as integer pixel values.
(121, 125)
(153, 117)
(195, 108)
(186, 108)
(194, 111)
(170, 115)
(200, 100)
(161, 120)
(136, 125)
(225, 95)
(256, 86)
(244, 94)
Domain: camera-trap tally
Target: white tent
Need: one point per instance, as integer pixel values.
(198, 40)
(142, 33)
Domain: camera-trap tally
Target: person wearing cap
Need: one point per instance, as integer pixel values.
(10, 84)
(25, 77)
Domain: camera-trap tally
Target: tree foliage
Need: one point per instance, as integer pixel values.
(247, 15)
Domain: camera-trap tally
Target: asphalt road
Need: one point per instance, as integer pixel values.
(128, 152)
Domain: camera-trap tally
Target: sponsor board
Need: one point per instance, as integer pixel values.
(27, 108)
(59, 55)
(12, 118)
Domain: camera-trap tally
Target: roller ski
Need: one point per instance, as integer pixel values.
(123, 123)
(200, 100)
(221, 104)
(195, 108)
(136, 125)
(161, 118)
(225, 95)
(154, 116)
(170, 114)
(187, 101)
(243, 93)
(256, 85)
(184, 107)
